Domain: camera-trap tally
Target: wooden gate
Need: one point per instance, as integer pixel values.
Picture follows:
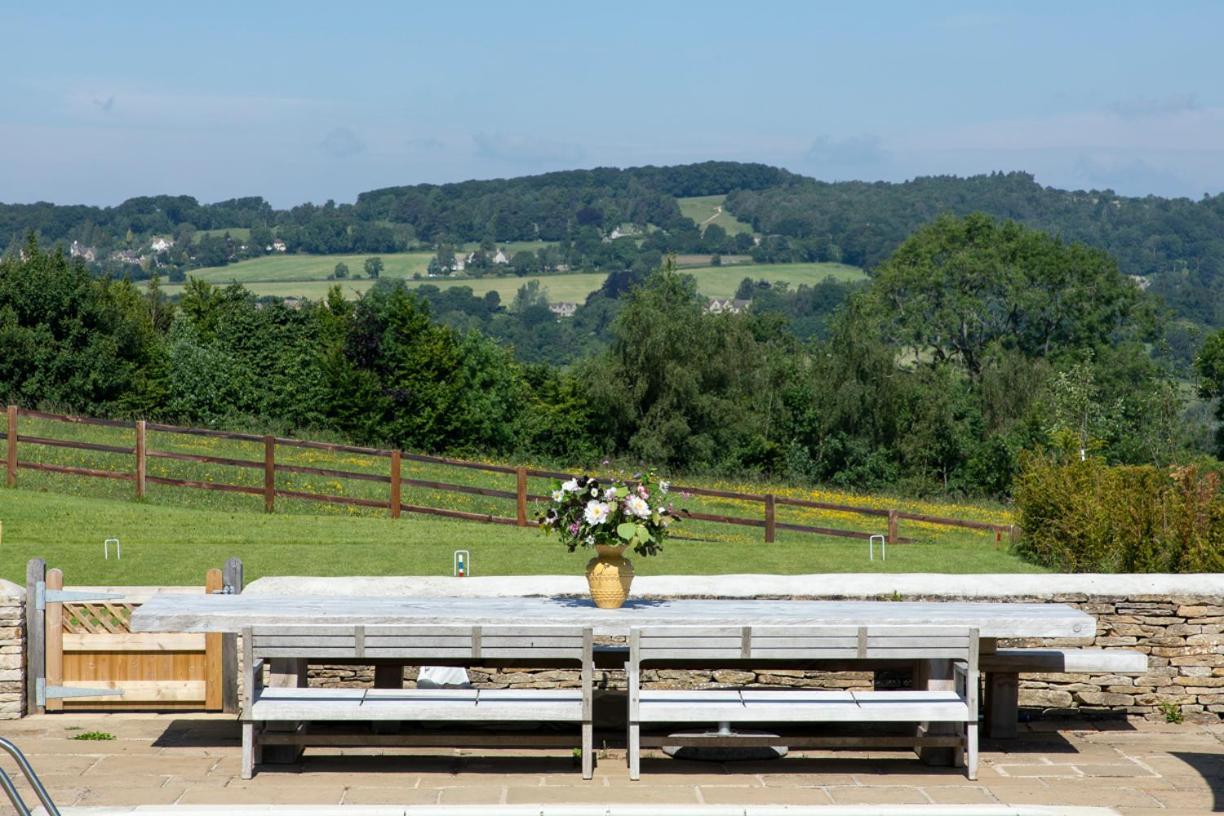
(91, 660)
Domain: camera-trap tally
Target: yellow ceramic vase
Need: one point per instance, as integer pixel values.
(610, 575)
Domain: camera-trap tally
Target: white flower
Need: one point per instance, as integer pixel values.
(571, 486)
(590, 540)
(610, 494)
(558, 495)
(595, 492)
(596, 512)
(638, 507)
(664, 486)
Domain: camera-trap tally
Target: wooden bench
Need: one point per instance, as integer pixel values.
(1004, 667)
(423, 645)
(762, 646)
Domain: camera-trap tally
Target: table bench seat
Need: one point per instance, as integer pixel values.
(751, 706)
(273, 715)
(1004, 667)
(374, 705)
(952, 704)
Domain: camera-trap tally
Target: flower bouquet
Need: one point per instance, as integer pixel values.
(611, 516)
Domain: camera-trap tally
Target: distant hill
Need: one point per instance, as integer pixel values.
(1174, 247)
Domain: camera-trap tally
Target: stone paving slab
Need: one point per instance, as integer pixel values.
(188, 765)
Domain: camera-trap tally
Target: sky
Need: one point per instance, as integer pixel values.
(302, 101)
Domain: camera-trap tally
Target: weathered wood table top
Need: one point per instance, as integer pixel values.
(166, 612)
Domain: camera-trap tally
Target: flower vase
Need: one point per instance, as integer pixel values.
(609, 575)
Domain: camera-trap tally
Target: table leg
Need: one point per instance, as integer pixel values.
(388, 677)
(935, 675)
(284, 673)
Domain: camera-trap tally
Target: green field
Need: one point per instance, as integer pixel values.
(706, 210)
(714, 281)
(175, 533)
(285, 267)
(237, 233)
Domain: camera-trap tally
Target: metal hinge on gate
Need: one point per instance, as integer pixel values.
(43, 692)
(44, 596)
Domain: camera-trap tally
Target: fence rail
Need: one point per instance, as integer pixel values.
(394, 503)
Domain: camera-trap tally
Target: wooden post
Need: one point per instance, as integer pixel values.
(36, 572)
(232, 581)
(214, 667)
(892, 527)
(140, 458)
(269, 474)
(770, 529)
(11, 458)
(54, 619)
(395, 484)
(520, 474)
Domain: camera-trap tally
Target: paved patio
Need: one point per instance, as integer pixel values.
(1136, 768)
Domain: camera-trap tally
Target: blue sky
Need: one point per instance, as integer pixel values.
(304, 101)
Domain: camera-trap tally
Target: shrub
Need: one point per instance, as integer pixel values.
(1092, 517)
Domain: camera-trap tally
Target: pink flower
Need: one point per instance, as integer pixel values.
(573, 528)
(645, 494)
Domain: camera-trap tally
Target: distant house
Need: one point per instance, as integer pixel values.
(79, 250)
(128, 256)
(727, 306)
(563, 309)
(160, 243)
(501, 258)
(277, 245)
(1141, 281)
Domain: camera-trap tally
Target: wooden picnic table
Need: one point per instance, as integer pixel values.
(232, 613)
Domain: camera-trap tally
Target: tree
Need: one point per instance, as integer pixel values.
(373, 267)
(341, 271)
(961, 285)
(1210, 368)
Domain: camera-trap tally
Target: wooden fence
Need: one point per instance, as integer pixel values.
(81, 653)
(395, 481)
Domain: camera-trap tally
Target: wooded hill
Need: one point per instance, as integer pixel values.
(1175, 245)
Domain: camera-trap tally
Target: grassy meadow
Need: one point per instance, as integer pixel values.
(174, 534)
(706, 210)
(714, 281)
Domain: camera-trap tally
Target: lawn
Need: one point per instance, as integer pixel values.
(174, 534)
(177, 545)
(714, 281)
(705, 210)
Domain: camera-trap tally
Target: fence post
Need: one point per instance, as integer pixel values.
(520, 474)
(36, 641)
(395, 484)
(214, 668)
(769, 518)
(232, 582)
(892, 526)
(140, 458)
(269, 474)
(54, 618)
(10, 477)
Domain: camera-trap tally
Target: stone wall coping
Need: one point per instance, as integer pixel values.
(9, 590)
(830, 585)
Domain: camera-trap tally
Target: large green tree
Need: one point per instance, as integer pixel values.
(959, 286)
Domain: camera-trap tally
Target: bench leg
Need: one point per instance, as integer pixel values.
(248, 750)
(635, 751)
(588, 750)
(388, 677)
(935, 675)
(971, 749)
(284, 673)
(1002, 705)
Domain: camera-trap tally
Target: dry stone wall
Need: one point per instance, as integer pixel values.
(12, 651)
